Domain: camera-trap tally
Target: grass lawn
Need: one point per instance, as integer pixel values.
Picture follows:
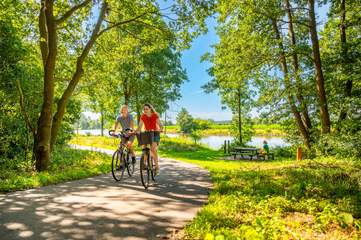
(67, 164)
(281, 199)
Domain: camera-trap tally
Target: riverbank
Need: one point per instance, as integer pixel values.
(282, 199)
(225, 130)
(213, 141)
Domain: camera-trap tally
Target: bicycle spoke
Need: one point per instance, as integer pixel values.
(117, 165)
(130, 164)
(144, 172)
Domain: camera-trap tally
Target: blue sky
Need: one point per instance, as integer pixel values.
(198, 103)
(194, 99)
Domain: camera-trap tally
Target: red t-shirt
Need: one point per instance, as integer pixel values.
(150, 123)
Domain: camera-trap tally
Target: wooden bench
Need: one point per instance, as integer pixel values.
(251, 152)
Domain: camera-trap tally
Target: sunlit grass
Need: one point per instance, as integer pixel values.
(318, 199)
(281, 199)
(67, 164)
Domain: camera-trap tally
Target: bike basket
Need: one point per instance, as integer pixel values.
(145, 138)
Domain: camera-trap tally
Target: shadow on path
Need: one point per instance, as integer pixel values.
(101, 208)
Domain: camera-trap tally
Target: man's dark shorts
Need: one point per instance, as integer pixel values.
(130, 139)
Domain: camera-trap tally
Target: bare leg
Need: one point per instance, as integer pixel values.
(131, 149)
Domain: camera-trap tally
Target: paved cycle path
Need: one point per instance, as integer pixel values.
(101, 208)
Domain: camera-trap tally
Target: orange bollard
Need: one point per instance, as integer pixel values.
(299, 154)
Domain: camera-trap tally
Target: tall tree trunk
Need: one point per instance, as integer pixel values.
(58, 117)
(325, 117)
(239, 115)
(348, 86)
(49, 51)
(296, 113)
(296, 68)
(102, 122)
(165, 121)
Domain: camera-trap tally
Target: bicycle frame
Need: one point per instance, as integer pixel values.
(120, 159)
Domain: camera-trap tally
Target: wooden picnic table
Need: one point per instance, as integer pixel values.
(251, 152)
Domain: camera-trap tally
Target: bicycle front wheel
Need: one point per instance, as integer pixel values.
(145, 171)
(118, 165)
(130, 164)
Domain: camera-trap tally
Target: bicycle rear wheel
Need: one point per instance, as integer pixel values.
(118, 165)
(145, 171)
(152, 169)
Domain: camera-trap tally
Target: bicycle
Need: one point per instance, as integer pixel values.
(147, 167)
(121, 159)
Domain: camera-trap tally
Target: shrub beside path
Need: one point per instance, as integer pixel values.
(101, 208)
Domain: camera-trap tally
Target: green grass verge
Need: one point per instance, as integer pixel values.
(283, 199)
(67, 164)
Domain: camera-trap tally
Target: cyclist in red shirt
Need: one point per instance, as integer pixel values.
(151, 122)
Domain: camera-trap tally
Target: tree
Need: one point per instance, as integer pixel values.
(325, 117)
(340, 50)
(65, 34)
(137, 68)
(185, 121)
(50, 25)
(19, 72)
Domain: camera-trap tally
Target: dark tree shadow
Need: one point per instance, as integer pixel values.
(101, 208)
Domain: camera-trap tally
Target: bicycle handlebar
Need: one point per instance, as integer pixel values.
(129, 132)
(159, 131)
(125, 133)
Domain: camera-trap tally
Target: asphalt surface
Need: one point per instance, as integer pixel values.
(101, 208)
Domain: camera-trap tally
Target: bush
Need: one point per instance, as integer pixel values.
(196, 136)
(201, 124)
(287, 152)
(340, 145)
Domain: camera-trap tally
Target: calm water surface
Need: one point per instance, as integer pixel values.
(214, 142)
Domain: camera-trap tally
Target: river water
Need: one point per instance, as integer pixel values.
(214, 142)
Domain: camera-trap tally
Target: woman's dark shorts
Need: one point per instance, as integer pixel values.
(145, 138)
(156, 137)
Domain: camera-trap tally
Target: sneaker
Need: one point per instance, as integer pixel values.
(119, 168)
